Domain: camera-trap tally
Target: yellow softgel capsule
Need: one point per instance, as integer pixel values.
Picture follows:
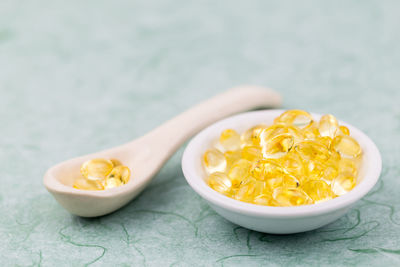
(286, 196)
(220, 182)
(251, 137)
(121, 173)
(230, 140)
(310, 132)
(310, 150)
(231, 157)
(292, 163)
(239, 171)
(346, 146)
(344, 130)
(86, 184)
(112, 182)
(328, 126)
(96, 169)
(266, 169)
(252, 153)
(324, 140)
(214, 161)
(249, 189)
(278, 145)
(343, 183)
(318, 190)
(263, 199)
(348, 165)
(295, 117)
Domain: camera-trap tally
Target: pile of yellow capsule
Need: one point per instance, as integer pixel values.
(101, 174)
(296, 161)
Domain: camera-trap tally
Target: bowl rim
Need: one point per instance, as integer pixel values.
(195, 180)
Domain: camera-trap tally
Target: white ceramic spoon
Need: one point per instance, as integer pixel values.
(147, 154)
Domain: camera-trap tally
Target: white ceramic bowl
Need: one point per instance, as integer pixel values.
(277, 220)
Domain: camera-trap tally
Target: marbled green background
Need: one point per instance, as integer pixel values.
(80, 76)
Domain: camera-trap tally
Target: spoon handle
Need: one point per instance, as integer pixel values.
(173, 133)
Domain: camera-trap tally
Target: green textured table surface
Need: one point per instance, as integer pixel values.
(81, 76)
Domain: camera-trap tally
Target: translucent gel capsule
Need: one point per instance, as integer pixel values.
(298, 118)
(343, 183)
(251, 137)
(96, 169)
(324, 140)
(271, 132)
(230, 140)
(310, 132)
(231, 157)
(266, 169)
(293, 164)
(344, 130)
(112, 182)
(278, 145)
(328, 126)
(252, 153)
(263, 199)
(249, 189)
(239, 171)
(214, 161)
(318, 190)
(286, 196)
(86, 184)
(310, 150)
(115, 162)
(329, 173)
(315, 170)
(348, 165)
(120, 173)
(346, 146)
(220, 182)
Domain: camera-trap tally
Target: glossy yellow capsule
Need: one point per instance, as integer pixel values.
(231, 157)
(286, 196)
(220, 182)
(324, 140)
(293, 164)
(328, 126)
(318, 190)
(343, 183)
(252, 153)
(121, 173)
(310, 132)
(295, 117)
(310, 150)
(230, 140)
(112, 182)
(266, 169)
(346, 146)
(263, 199)
(86, 184)
(239, 171)
(348, 165)
(249, 189)
(344, 130)
(214, 161)
(115, 162)
(96, 169)
(278, 145)
(251, 137)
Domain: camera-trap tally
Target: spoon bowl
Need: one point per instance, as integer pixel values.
(276, 220)
(146, 155)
